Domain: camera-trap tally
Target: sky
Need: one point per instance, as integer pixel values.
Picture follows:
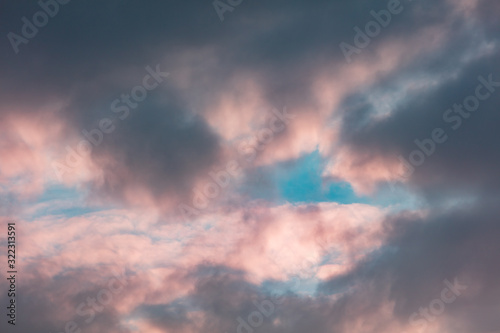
(250, 166)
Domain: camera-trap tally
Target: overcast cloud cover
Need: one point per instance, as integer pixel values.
(251, 166)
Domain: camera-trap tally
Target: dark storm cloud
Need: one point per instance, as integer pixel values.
(459, 181)
(51, 304)
(159, 147)
(84, 55)
(172, 317)
(88, 52)
(227, 299)
(468, 159)
(281, 39)
(421, 253)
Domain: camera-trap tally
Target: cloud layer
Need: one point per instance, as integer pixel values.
(114, 115)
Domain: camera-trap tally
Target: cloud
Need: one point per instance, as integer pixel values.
(345, 268)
